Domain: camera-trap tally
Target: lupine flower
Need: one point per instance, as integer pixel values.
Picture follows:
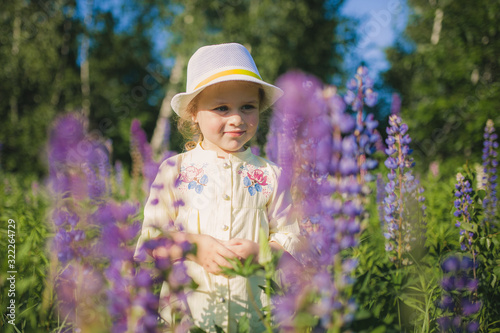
(434, 168)
(360, 90)
(360, 93)
(395, 104)
(140, 145)
(458, 304)
(76, 286)
(64, 143)
(490, 164)
(118, 183)
(320, 145)
(463, 206)
(175, 273)
(255, 150)
(95, 235)
(404, 206)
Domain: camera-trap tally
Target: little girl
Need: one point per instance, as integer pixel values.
(228, 193)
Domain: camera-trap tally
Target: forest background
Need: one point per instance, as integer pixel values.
(104, 60)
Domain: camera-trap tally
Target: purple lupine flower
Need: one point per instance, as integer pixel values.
(289, 115)
(255, 150)
(78, 165)
(360, 90)
(360, 93)
(175, 273)
(76, 285)
(395, 104)
(459, 303)
(64, 150)
(463, 206)
(73, 152)
(490, 164)
(319, 145)
(126, 289)
(139, 143)
(79, 171)
(404, 206)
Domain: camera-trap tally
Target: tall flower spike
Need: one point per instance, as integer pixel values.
(319, 144)
(463, 205)
(359, 93)
(140, 145)
(79, 172)
(490, 164)
(403, 206)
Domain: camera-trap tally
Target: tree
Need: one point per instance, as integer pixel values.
(447, 70)
(37, 78)
(125, 80)
(48, 70)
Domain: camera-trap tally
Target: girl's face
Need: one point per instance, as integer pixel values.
(228, 115)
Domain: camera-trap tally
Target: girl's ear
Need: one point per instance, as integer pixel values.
(194, 119)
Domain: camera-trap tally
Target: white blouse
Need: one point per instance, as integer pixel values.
(224, 198)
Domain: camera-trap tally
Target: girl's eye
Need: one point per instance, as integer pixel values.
(221, 108)
(249, 107)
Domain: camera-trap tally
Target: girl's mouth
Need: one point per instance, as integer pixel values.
(235, 133)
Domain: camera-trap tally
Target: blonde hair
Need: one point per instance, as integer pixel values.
(191, 130)
(188, 128)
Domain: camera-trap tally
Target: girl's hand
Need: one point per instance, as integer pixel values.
(211, 254)
(243, 248)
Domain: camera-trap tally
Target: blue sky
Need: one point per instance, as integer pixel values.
(379, 23)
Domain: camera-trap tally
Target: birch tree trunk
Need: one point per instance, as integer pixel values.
(16, 39)
(64, 51)
(84, 66)
(166, 109)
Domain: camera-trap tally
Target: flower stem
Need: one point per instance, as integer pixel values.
(400, 204)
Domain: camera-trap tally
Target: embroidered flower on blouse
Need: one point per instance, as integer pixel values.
(194, 177)
(255, 180)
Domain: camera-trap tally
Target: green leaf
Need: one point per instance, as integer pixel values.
(243, 325)
(362, 314)
(305, 320)
(265, 254)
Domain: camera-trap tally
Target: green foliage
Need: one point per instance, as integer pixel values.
(24, 201)
(125, 80)
(448, 84)
(41, 76)
(38, 57)
(485, 244)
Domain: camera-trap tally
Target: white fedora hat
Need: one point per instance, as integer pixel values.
(218, 63)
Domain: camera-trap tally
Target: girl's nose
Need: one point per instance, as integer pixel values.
(235, 118)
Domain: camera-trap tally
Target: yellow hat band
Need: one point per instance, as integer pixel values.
(225, 73)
